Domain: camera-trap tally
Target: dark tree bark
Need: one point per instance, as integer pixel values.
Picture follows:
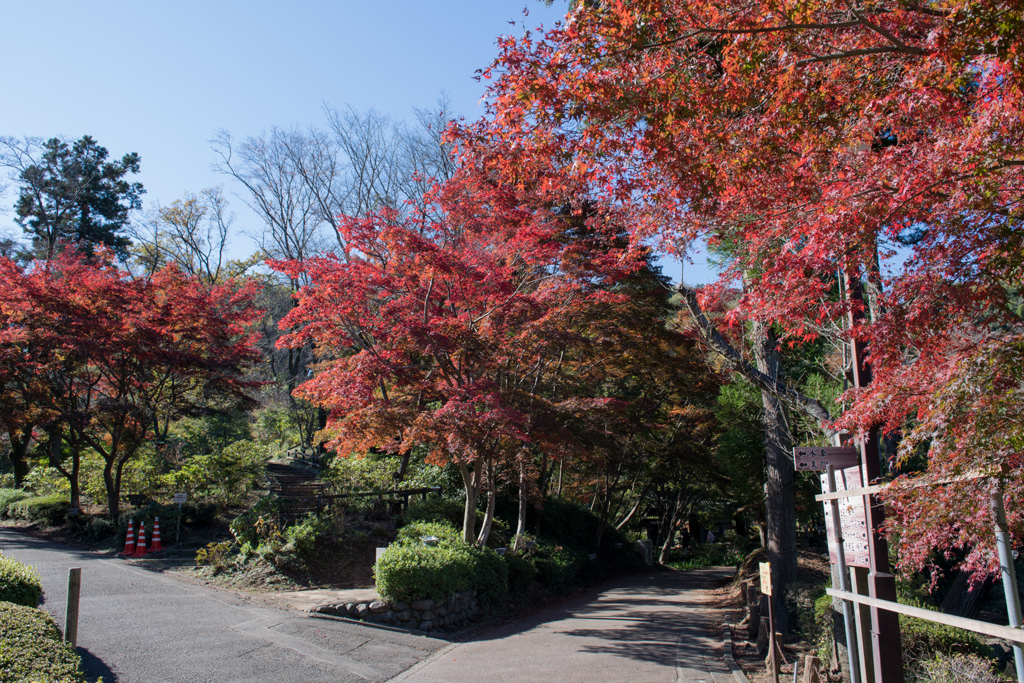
(780, 498)
(964, 599)
(19, 455)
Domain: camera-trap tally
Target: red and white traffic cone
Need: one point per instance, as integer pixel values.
(129, 541)
(140, 545)
(154, 544)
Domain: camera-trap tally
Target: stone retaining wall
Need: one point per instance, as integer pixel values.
(425, 615)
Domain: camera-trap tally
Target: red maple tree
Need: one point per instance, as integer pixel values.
(463, 332)
(104, 361)
(817, 140)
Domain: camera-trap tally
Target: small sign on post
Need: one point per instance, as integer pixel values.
(766, 577)
(179, 498)
(766, 588)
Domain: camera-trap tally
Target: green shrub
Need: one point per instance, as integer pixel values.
(260, 524)
(31, 648)
(435, 509)
(521, 573)
(216, 555)
(407, 572)
(569, 523)
(722, 554)
(559, 568)
(19, 583)
(222, 478)
(961, 668)
(8, 497)
(444, 532)
(823, 621)
(922, 639)
(52, 509)
(490, 576)
(301, 538)
(44, 480)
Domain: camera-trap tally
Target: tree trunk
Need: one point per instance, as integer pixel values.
(471, 481)
(113, 491)
(492, 481)
(57, 462)
(19, 455)
(780, 503)
(521, 521)
(963, 599)
(670, 533)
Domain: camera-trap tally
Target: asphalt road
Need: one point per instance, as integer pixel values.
(651, 628)
(141, 626)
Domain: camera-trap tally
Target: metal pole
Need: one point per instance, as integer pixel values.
(177, 534)
(1007, 571)
(771, 640)
(71, 612)
(844, 579)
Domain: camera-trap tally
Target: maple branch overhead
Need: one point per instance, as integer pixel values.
(786, 393)
(845, 54)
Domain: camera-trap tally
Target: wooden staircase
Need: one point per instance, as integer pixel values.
(298, 488)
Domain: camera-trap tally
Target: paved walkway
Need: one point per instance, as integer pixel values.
(140, 625)
(650, 628)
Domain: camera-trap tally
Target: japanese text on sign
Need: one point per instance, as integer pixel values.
(852, 520)
(818, 458)
(766, 577)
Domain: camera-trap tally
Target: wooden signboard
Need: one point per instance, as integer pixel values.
(766, 577)
(852, 519)
(817, 458)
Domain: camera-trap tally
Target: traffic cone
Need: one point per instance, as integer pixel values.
(154, 544)
(129, 541)
(140, 545)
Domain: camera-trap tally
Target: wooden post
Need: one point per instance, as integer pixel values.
(71, 613)
(766, 588)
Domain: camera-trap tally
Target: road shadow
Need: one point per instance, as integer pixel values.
(94, 668)
(15, 539)
(661, 608)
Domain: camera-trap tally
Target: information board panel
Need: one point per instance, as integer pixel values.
(852, 519)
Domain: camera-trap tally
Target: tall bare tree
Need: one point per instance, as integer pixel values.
(192, 232)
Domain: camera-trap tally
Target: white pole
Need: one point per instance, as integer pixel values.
(852, 646)
(1007, 571)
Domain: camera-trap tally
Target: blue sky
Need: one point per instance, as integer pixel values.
(160, 78)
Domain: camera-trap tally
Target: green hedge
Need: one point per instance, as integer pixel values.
(435, 509)
(521, 573)
(413, 572)
(446, 534)
(19, 583)
(52, 509)
(409, 570)
(31, 648)
(9, 496)
(560, 568)
(922, 639)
